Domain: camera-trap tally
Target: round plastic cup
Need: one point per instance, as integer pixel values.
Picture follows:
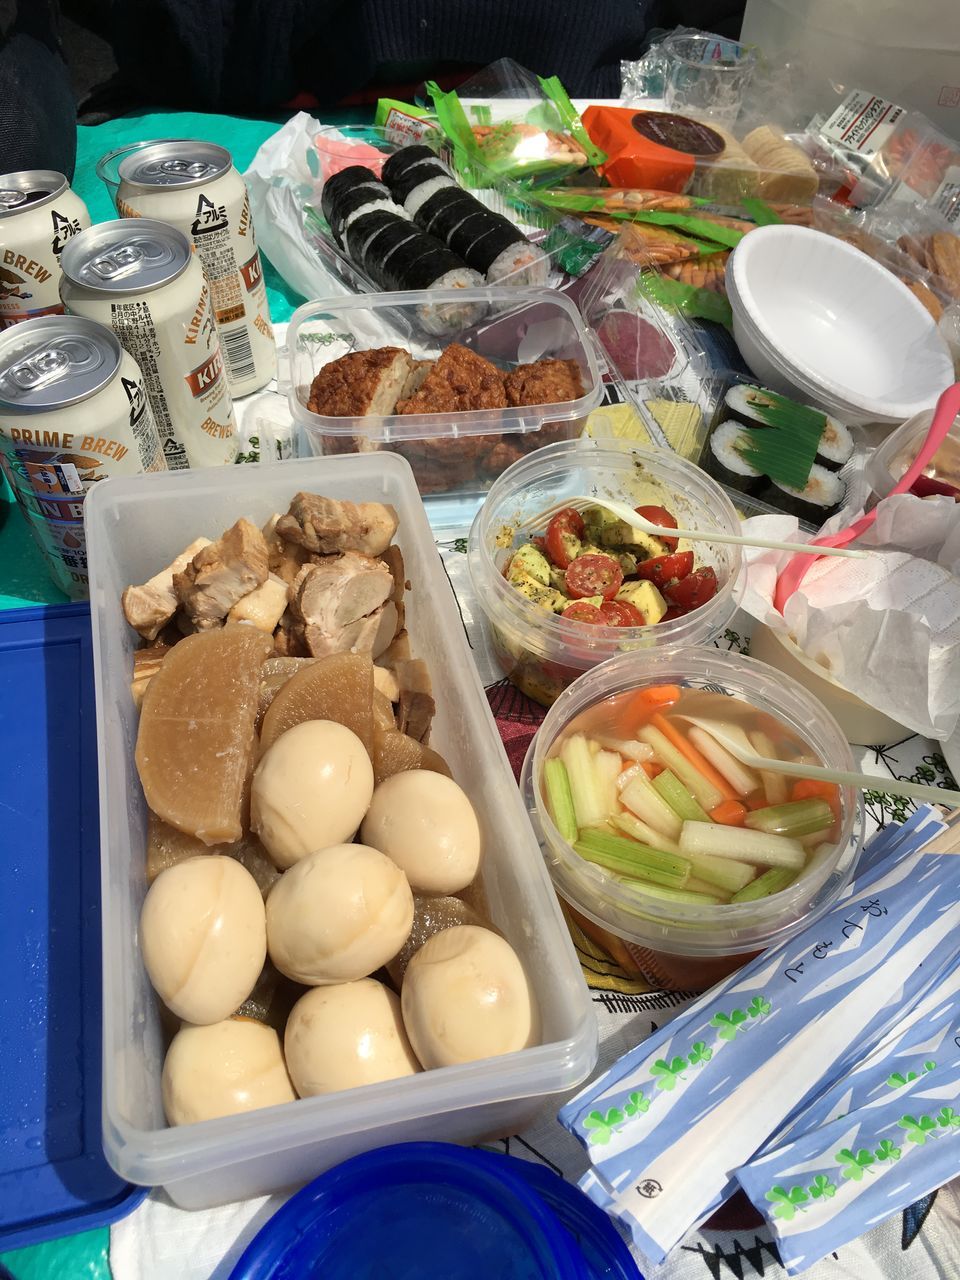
(541, 652)
(681, 946)
(417, 1209)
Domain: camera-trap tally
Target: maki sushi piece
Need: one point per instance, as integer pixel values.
(726, 463)
(820, 497)
(397, 165)
(363, 228)
(383, 246)
(423, 263)
(371, 197)
(834, 445)
(487, 241)
(355, 175)
(445, 211)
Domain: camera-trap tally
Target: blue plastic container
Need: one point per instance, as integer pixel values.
(54, 1178)
(433, 1211)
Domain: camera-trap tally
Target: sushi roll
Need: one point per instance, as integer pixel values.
(356, 175)
(836, 445)
(725, 462)
(423, 263)
(397, 165)
(383, 246)
(363, 228)
(369, 198)
(819, 498)
(768, 408)
(519, 263)
(445, 210)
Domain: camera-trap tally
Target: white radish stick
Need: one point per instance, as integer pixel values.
(774, 784)
(743, 780)
(742, 844)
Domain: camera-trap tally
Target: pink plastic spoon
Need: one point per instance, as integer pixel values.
(794, 571)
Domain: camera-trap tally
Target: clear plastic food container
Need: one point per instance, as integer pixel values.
(685, 946)
(894, 456)
(449, 452)
(541, 652)
(132, 529)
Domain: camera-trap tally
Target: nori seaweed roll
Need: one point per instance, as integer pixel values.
(819, 498)
(424, 263)
(424, 172)
(383, 244)
(353, 204)
(398, 164)
(365, 226)
(356, 175)
(445, 210)
(725, 463)
(836, 445)
(421, 193)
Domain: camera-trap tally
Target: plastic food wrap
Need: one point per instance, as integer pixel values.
(515, 124)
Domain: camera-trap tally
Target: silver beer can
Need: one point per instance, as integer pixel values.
(143, 281)
(38, 216)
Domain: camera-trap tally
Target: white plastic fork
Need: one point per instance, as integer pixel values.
(629, 516)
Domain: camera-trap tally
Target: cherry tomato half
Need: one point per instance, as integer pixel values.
(580, 611)
(663, 569)
(693, 590)
(594, 575)
(564, 534)
(660, 516)
(621, 613)
(675, 611)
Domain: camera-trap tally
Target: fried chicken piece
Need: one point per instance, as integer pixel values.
(361, 383)
(459, 380)
(150, 607)
(546, 382)
(221, 574)
(326, 525)
(417, 707)
(340, 601)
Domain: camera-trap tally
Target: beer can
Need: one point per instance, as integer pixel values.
(73, 412)
(194, 187)
(38, 216)
(143, 281)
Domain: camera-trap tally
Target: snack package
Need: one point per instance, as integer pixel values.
(403, 122)
(517, 125)
(666, 1125)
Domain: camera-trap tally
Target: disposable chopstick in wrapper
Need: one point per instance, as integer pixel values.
(837, 1181)
(666, 1126)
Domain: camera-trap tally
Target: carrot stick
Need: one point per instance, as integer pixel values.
(805, 788)
(644, 703)
(702, 765)
(757, 799)
(731, 813)
(651, 768)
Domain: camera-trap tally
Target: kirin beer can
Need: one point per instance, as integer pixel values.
(194, 187)
(73, 412)
(38, 216)
(142, 280)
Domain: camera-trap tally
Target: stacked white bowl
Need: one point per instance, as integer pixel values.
(818, 320)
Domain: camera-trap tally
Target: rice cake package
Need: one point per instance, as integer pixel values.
(668, 1123)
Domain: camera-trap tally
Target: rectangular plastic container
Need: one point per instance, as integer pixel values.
(133, 528)
(449, 452)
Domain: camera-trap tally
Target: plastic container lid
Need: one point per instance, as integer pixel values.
(54, 1178)
(430, 1210)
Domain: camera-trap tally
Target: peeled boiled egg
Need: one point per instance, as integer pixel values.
(465, 996)
(310, 790)
(346, 1035)
(338, 914)
(223, 1070)
(203, 937)
(426, 824)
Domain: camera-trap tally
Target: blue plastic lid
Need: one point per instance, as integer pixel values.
(604, 1249)
(418, 1211)
(54, 1178)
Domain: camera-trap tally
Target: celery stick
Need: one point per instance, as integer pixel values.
(693, 885)
(646, 835)
(641, 855)
(589, 804)
(796, 819)
(627, 867)
(672, 895)
(726, 873)
(560, 799)
(774, 784)
(607, 766)
(771, 881)
(743, 780)
(641, 798)
(679, 798)
(671, 757)
(718, 841)
(629, 748)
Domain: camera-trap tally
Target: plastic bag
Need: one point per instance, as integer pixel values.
(516, 124)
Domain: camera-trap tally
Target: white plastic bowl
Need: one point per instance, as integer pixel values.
(814, 312)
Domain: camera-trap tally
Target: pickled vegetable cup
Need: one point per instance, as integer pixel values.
(682, 860)
(544, 642)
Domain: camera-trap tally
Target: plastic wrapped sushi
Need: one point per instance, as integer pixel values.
(768, 408)
(487, 242)
(352, 194)
(727, 460)
(820, 497)
(725, 463)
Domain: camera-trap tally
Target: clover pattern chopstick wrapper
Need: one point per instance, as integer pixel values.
(668, 1123)
(836, 1182)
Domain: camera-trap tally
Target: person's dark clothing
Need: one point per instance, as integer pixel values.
(38, 116)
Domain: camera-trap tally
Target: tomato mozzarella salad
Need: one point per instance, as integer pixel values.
(594, 568)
